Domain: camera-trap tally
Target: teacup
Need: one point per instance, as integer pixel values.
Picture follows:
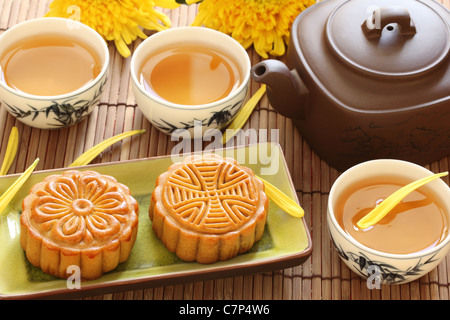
(176, 118)
(384, 267)
(60, 110)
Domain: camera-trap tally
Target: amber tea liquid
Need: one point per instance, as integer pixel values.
(415, 224)
(48, 65)
(189, 75)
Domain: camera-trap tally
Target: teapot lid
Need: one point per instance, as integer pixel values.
(395, 38)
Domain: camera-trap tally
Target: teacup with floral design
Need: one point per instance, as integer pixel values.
(169, 110)
(409, 241)
(50, 110)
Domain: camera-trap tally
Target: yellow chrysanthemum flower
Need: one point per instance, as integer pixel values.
(120, 21)
(264, 23)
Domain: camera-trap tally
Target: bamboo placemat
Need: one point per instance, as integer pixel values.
(322, 276)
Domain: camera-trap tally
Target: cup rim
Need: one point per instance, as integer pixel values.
(398, 256)
(173, 105)
(71, 94)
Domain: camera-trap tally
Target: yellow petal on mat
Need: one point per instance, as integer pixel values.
(9, 194)
(243, 115)
(89, 155)
(282, 200)
(11, 151)
(390, 202)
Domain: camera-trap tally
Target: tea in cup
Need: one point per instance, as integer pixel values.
(52, 71)
(190, 76)
(405, 244)
(48, 65)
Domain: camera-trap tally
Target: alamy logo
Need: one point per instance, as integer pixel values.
(374, 20)
(74, 12)
(74, 280)
(374, 278)
(189, 143)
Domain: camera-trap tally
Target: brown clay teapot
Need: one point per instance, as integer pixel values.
(366, 79)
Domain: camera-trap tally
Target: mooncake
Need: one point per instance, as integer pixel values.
(78, 218)
(208, 208)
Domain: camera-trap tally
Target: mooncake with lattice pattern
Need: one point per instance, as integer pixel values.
(208, 208)
(82, 219)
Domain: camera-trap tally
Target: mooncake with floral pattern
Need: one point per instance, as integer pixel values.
(78, 218)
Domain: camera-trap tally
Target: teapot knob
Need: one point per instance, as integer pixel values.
(382, 16)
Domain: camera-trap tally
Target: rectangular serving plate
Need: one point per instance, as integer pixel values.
(285, 243)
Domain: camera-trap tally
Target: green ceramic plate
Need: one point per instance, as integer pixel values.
(285, 243)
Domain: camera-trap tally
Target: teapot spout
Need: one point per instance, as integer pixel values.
(286, 91)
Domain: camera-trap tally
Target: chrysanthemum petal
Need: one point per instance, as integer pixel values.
(278, 47)
(122, 47)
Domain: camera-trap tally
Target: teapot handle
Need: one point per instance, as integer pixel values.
(382, 16)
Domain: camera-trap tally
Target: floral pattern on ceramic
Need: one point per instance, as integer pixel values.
(219, 118)
(60, 113)
(372, 268)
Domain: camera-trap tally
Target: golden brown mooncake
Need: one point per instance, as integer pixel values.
(208, 208)
(82, 219)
